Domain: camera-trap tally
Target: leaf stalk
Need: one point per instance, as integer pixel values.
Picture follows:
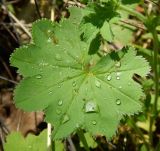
(83, 139)
(133, 12)
(156, 48)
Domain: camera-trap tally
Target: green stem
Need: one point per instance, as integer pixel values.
(83, 139)
(138, 130)
(133, 12)
(155, 67)
(53, 146)
(156, 48)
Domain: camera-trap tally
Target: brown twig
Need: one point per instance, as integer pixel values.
(6, 68)
(37, 9)
(12, 2)
(134, 23)
(12, 35)
(6, 79)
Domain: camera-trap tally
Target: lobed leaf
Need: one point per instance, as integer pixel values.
(73, 88)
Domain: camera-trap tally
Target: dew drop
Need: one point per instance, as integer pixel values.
(97, 83)
(49, 40)
(129, 84)
(110, 87)
(118, 64)
(60, 102)
(58, 111)
(50, 92)
(94, 122)
(43, 63)
(65, 119)
(74, 83)
(38, 76)
(120, 87)
(118, 78)
(59, 85)
(118, 75)
(76, 91)
(91, 106)
(109, 77)
(118, 101)
(77, 125)
(49, 31)
(58, 57)
(65, 51)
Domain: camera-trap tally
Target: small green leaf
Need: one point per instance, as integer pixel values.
(90, 141)
(15, 141)
(99, 18)
(106, 32)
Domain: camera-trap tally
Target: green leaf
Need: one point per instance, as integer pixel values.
(95, 44)
(15, 141)
(74, 89)
(95, 19)
(106, 32)
(90, 141)
(123, 34)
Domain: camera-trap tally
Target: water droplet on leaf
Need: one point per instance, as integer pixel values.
(109, 77)
(74, 83)
(118, 75)
(50, 92)
(60, 102)
(58, 57)
(118, 64)
(59, 85)
(91, 106)
(118, 78)
(58, 111)
(77, 125)
(94, 122)
(49, 31)
(118, 101)
(120, 87)
(97, 83)
(65, 118)
(38, 76)
(49, 40)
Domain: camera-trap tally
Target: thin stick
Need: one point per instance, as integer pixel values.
(6, 68)
(53, 10)
(49, 127)
(135, 24)
(37, 9)
(15, 38)
(83, 139)
(76, 3)
(12, 2)
(153, 2)
(72, 147)
(20, 24)
(6, 79)
(49, 140)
